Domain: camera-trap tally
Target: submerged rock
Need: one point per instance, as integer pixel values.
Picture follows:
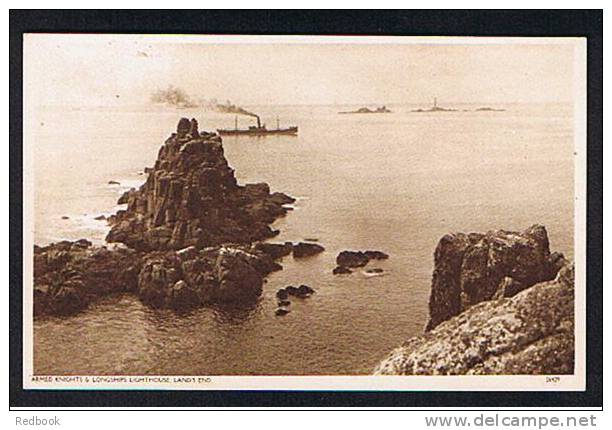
(281, 312)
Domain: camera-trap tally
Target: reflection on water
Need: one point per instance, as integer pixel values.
(394, 182)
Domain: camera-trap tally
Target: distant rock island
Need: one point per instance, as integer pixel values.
(501, 303)
(489, 109)
(381, 109)
(435, 108)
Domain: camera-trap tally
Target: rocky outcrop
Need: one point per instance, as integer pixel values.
(69, 275)
(530, 333)
(191, 277)
(352, 259)
(471, 268)
(500, 303)
(303, 291)
(305, 249)
(191, 198)
(187, 236)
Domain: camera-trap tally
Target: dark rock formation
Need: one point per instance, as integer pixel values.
(376, 255)
(191, 277)
(302, 291)
(381, 109)
(304, 249)
(358, 258)
(69, 275)
(189, 231)
(191, 198)
(281, 312)
(275, 250)
(125, 197)
(471, 268)
(341, 270)
(375, 270)
(500, 303)
(529, 333)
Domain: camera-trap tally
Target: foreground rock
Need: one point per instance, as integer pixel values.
(70, 275)
(500, 303)
(471, 268)
(191, 198)
(530, 333)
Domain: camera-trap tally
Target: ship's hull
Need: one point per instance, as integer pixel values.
(258, 132)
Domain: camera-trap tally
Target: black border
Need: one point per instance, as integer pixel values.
(577, 23)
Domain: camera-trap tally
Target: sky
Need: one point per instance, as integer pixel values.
(126, 69)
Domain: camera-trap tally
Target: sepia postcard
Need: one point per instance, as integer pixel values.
(304, 212)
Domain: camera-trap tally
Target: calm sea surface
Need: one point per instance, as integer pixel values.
(392, 182)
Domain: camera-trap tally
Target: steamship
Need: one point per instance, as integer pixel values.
(258, 130)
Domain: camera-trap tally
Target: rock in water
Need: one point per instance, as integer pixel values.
(189, 278)
(530, 333)
(376, 255)
(275, 250)
(191, 198)
(352, 259)
(189, 230)
(304, 249)
(69, 275)
(357, 259)
(341, 270)
(469, 268)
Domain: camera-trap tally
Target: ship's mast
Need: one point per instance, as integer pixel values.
(435, 102)
(277, 124)
(236, 122)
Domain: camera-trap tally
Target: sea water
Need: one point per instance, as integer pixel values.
(393, 182)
